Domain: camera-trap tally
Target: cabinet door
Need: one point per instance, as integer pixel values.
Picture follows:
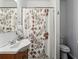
(7, 56)
(22, 55)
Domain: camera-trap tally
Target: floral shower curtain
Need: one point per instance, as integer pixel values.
(35, 25)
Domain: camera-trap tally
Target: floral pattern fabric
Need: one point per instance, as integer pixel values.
(35, 29)
(7, 19)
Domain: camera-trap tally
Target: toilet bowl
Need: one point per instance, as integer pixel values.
(64, 50)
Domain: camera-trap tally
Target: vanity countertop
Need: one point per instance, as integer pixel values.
(13, 49)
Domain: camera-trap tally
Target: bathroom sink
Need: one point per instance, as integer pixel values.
(14, 48)
(17, 44)
(5, 38)
(20, 44)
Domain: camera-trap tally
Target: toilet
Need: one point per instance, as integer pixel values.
(64, 50)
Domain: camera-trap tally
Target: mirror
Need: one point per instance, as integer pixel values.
(8, 15)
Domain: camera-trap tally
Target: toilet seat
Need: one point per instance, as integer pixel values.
(64, 48)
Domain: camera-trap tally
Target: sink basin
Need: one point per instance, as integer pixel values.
(17, 44)
(6, 37)
(13, 49)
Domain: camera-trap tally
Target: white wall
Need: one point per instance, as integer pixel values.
(6, 3)
(63, 17)
(69, 24)
(72, 26)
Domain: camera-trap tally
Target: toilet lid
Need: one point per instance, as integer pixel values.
(64, 48)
